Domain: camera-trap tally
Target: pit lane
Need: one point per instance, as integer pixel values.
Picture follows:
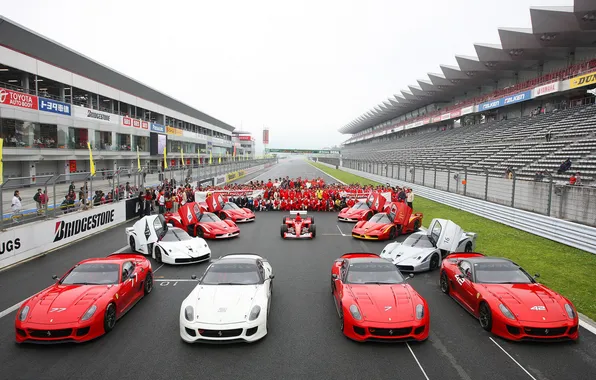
(304, 340)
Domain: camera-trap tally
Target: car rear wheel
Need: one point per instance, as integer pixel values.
(148, 283)
(109, 320)
(444, 283)
(284, 229)
(132, 244)
(485, 317)
(312, 220)
(313, 229)
(434, 261)
(158, 255)
(468, 247)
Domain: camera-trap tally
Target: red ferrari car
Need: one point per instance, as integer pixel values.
(228, 210)
(363, 209)
(299, 227)
(374, 301)
(388, 225)
(207, 225)
(506, 299)
(86, 302)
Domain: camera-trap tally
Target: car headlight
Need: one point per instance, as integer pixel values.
(570, 311)
(254, 313)
(89, 313)
(23, 313)
(355, 312)
(419, 311)
(506, 312)
(188, 313)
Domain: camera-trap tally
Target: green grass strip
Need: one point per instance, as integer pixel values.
(567, 270)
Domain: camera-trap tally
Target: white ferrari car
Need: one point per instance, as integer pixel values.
(166, 244)
(231, 302)
(425, 250)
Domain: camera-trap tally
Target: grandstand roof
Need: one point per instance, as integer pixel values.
(21, 39)
(554, 31)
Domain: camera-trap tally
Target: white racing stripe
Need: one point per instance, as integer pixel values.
(419, 365)
(512, 358)
(587, 326)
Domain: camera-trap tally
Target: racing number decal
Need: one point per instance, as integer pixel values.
(460, 280)
(57, 309)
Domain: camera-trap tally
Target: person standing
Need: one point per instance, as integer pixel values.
(37, 199)
(16, 206)
(410, 198)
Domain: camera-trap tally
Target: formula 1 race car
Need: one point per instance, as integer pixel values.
(506, 300)
(298, 228)
(228, 210)
(374, 302)
(86, 302)
(364, 209)
(166, 244)
(424, 250)
(230, 303)
(388, 225)
(207, 225)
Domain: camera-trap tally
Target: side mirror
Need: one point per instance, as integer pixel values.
(271, 277)
(54, 277)
(334, 276)
(194, 277)
(537, 275)
(411, 275)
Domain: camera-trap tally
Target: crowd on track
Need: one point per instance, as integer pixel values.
(280, 194)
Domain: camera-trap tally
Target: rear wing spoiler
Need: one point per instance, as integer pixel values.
(125, 255)
(463, 255)
(298, 212)
(358, 254)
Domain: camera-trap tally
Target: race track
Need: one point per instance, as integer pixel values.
(304, 340)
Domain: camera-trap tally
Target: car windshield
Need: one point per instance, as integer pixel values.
(232, 274)
(209, 217)
(501, 273)
(360, 206)
(231, 206)
(375, 272)
(380, 218)
(176, 234)
(418, 241)
(93, 274)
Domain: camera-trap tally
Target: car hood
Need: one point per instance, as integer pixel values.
(398, 253)
(222, 304)
(65, 303)
(241, 213)
(529, 302)
(385, 303)
(370, 227)
(220, 226)
(190, 248)
(353, 213)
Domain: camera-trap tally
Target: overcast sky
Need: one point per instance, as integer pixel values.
(303, 68)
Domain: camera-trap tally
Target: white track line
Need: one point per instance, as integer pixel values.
(419, 365)
(11, 309)
(324, 172)
(587, 326)
(158, 268)
(511, 357)
(341, 232)
(175, 280)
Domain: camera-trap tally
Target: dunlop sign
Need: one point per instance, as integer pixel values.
(583, 80)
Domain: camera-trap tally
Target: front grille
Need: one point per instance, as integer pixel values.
(359, 330)
(251, 331)
(21, 332)
(390, 332)
(83, 331)
(513, 330)
(220, 333)
(190, 332)
(50, 334)
(573, 330)
(405, 267)
(191, 259)
(419, 330)
(539, 331)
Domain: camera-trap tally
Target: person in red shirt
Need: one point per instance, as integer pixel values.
(351, 202)
(283, 205)
(269, 184)
(276, 204)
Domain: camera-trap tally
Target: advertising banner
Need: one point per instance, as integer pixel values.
(54, 106)
(426, 120)
(207, 182)
(517, 98)
(303, 151)
(173, 131)
(436, 119)
(72, 166)
(24, 242)
(489, 105)
(244, 138)
(466, 110)
(265, 136)
(158, 128)
(445, 116)
(136, 123)
(546, 89)
(455, 114)
(18, 99)
(132, 208)
(94, 115)
(582, 80)
(220, 180)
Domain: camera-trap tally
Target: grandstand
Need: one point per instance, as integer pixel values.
(494, 111)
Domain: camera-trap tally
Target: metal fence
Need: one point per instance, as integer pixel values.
(59, 197)
(545, 196)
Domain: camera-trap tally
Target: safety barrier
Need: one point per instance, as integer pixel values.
(27, 241)
(559, 230)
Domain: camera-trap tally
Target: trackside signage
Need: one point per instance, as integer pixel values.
(95, 115)
(27, 241)
(546, 89)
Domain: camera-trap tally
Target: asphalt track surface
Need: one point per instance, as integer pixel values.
(304, 341)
